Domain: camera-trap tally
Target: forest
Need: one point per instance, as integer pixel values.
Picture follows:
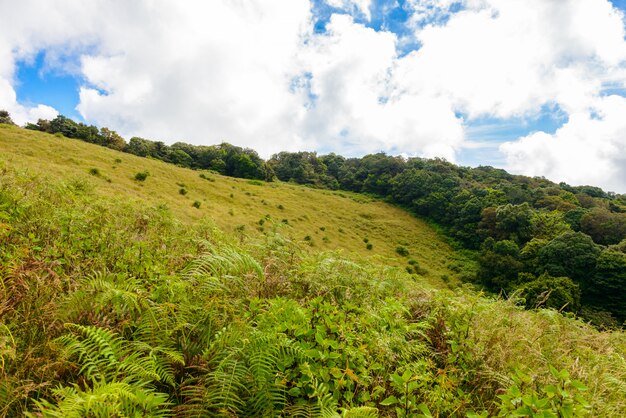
(562, 246)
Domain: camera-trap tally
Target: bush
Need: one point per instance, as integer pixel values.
(196, 204)
(94, 172)
(142, 176)
(559, 293)
(369, 246)
(182, 191)
(402, 250)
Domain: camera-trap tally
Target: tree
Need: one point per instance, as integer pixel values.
(180, 157)
(112, 139)
(141, 147)
(499, 264)
(64, 125)
(604, 227)
(552, 292)
(6, 118)
(571, 254)
(608, 287)
(514, 222)
(548, 225)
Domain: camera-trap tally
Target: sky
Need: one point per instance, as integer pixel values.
(537, 87)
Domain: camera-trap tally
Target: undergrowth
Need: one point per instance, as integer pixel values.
(110, 308)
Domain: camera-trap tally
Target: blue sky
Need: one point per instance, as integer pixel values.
(480, 82)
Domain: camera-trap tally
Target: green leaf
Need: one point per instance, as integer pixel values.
(389, 401)
(578, 385)
(295, 392)
(395, 378)
(406, 376)
(424, 410)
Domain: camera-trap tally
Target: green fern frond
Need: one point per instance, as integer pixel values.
(360, 412)
(103, 292)
(116, 399)
(97, 349)
(223, 262)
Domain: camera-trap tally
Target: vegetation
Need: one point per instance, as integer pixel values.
(509, 219)
(123, 299)
(530, 233)
(225, 159)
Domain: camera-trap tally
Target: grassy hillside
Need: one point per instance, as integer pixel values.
(322, 219)
(117, 299)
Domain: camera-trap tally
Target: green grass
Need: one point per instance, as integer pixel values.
(121, 298)
(334, 220)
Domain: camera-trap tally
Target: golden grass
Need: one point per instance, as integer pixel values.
(331, 220)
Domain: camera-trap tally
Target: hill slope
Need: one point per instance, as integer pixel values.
(119, 300)
(324, 220)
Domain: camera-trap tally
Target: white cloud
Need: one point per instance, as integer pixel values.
(589, 149)
(361, 6)
(215, 71)
(352, 76)
(507, 58)
(253, 73)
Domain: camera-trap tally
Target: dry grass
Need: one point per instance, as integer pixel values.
(331, 220)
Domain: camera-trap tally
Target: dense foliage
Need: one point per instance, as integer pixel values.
(530, 233)
(558, 244)
(114, 308)
(225, 159)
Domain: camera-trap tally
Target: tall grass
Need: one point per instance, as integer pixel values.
(111, 306)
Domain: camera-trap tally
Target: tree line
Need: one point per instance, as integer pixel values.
(224, 158)
(557, 245)
(560, 246)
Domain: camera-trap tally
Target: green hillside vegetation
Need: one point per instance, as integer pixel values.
(561, 246)
(323, 220)
(121, 296)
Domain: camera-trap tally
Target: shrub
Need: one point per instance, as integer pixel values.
(182, 191)
(142, 176)
(369, 246)
(196, 204)
(94, 172)
(402, 250)
(118, 160)
(281, 207)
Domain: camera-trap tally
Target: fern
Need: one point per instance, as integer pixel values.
(101, 293)
(97, 351)
(104, 400)
(230, 266)
(360, 412)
